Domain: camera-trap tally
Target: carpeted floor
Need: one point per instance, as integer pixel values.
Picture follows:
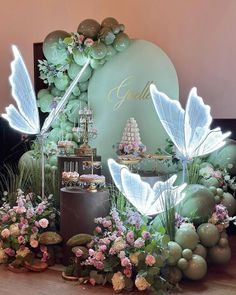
(220, 280)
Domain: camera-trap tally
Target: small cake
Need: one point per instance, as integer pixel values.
(70, 176)
(92, 178)
(64, 143)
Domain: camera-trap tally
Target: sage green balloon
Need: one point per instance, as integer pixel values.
(53, 160)
(198, 204)
(212, 181)
(230, 203)
(56, 92)
(223, 242)
(187, 254)
(208, 234)
(186, 237)
(182, 263)
(62, 83)
(56, 123)
(72, 96)
(79, 57)
(96, 63)
(55, 52)
(29, 162)
(98, 50)
(42, 92)
(73, 70)
(83, 86)
(219, 255)
(45, 103)
(115, 29)
(72, 110)
(121, 42)
(69, 136)
(172, 274)
(109, 22)
(76, 91)
(83, 97)
(89, 28)
(174, 253)
(197, 268)
(86, 74)
(110, 52)
(54, 168)
(225, 157)
(55, 134)
(200, 250)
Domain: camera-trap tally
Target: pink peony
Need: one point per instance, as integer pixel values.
(43, 222)
(150, 260)
(5, 233)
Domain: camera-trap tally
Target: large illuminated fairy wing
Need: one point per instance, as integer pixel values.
(167, 193)
(138, 192)
(214, 140)
(200, 140)
(171, 116)
(26, 118)
(115, 170)
(54, 113)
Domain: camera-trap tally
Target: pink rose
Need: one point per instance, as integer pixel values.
(79, 253)
(9, 252)
(43, 222)
(150, 260)
(125, 262)
(88, 42)
(91, 252)
(106, 223)
(103, 248)
(128, 272)
(34, 243)
(98, 229)
(21, 240)
(99, 256)
(92, 281)
(5, 217)
(5, 233)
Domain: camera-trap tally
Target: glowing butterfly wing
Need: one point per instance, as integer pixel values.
(54, 113)
(138, 192)
(26, 118)
(171, 116)
(214, 140)
(166, 190)
(115, 170)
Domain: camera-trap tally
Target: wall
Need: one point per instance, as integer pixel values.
(198, 35)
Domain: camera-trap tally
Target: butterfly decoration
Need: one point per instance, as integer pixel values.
(148, 201)
(25, 118)
(190, 129)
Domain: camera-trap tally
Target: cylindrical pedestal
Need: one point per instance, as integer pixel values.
(78, 209)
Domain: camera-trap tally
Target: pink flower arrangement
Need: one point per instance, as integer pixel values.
(121, 246)
(22, 225)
